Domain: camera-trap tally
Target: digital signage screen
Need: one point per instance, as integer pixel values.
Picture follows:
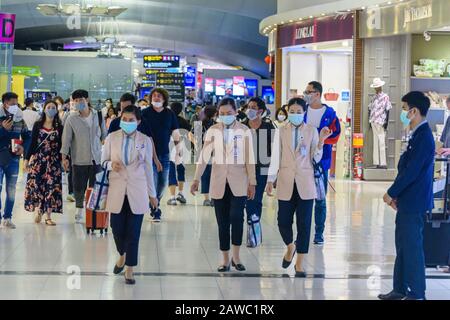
(252, 87)
(209, 85)
(229, 87)
(268, 94)
(220, 87)
(161, 62)
(190, 77)
(238, 86)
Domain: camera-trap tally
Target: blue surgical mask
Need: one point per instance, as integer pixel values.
(51, 113)
(252, 114)
(227, 120)
(404, 118)
(296, 118)
(81, 106)
(128, 127)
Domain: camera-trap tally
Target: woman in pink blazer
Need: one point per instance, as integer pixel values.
(233, 178)
(128, 155)
(296, 146)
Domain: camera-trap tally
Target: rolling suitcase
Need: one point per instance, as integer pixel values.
(436, 233)
(96, 219)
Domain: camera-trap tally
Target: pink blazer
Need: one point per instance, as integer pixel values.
(136, 179)
(233, 163)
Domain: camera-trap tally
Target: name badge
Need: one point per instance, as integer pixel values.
(303, 151)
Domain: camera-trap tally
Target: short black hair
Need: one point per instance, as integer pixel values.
(8, 96)
(28, 101)
(176, 107)
(128, 97)
(133, 109)
(164, 93)
(259, 102)
(298, 101)
(227, 101)
(417, 99)
(80, 93)
(316, 86)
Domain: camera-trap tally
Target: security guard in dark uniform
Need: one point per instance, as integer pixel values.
(411, 196)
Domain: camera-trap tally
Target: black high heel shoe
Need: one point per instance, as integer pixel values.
(129, 281)
(286, 263)
(224, 268)
(299, 274)
(118, 270)
(238, 267)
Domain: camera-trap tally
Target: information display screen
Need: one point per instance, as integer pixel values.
(251, 87)
(161, 62)
(220, 87)
(190, 77)
(41, 96)
(173, 83)
(268, 94)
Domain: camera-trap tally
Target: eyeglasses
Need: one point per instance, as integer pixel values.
(309, 92)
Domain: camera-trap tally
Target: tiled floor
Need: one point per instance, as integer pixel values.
(179, 257)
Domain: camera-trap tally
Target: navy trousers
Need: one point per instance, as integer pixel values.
(255, 206)
(302, 209)
(230, 213)
(409, 269)
(126, 228)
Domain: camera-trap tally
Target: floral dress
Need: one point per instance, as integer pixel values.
(43, 190)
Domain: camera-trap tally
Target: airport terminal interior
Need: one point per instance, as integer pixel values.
(333, 113)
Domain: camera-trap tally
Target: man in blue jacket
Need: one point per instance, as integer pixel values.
(320, 116)
(411, 196)
(12, 126)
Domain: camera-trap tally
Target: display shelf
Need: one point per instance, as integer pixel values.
(438, 85)
(432, 78)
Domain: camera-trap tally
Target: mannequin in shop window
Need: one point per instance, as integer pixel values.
(379, 118)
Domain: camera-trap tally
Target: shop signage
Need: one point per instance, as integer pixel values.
(316, 30)
(405, 18)
(419, 13)
(7, 25)
(358, 140)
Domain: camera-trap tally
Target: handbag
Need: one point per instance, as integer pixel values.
(99, 195)
(254, 232)
(319, 179)
(5, 157)
(331, 95)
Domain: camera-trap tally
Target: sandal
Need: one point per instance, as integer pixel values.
(50, 222)
(38, 218)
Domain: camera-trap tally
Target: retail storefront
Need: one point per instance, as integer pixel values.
(407, 46)
(7, 32)
(321, 49)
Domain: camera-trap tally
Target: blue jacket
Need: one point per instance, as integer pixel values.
(413, 187)
(18, 131)
(330, 120)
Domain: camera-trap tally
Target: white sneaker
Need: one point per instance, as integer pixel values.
(8, 224)
(79, 216)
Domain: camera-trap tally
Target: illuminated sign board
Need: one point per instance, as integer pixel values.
(161, 62)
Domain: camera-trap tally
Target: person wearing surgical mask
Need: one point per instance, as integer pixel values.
(411, 196)
(281, 117)
(233, 179)
(83, 135)
(127, 154)
(263, 131)
(296, 146)
(12, 126)
(164, 125)
(43, 191)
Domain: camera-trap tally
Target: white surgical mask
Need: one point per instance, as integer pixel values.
(13, 109)
(252, 114)
(281, 118)
(157, 105)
